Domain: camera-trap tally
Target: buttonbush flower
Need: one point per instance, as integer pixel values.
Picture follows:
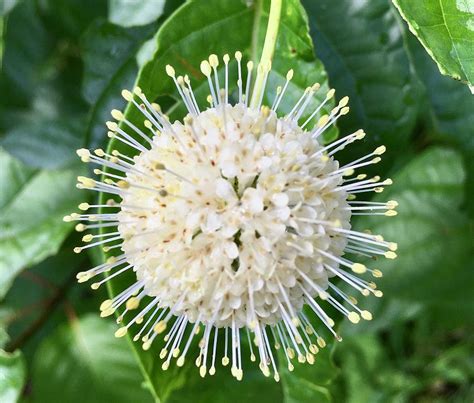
(235, 223)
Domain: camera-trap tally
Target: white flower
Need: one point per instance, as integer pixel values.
(232, 221)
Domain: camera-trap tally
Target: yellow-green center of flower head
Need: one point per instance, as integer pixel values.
(232, 221)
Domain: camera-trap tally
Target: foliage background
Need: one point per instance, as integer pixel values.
(63, 64)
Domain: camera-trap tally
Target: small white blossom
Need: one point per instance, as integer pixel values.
(232, 220)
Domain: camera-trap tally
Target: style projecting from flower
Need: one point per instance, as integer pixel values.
(232, 221)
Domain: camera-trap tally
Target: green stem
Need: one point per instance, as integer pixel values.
(268, 48)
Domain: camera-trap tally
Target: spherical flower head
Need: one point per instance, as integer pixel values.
(236, 219)
(232, 220)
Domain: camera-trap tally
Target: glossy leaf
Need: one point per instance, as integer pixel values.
(46, 143)
(361, 46)
(84, 357)
(449, 111)
(446, 30)
(22, 56)
(32, 207)
(433, 236)
(369, 375)
(7, 6)
(110, 66)
(12, 376)
(128, 13)
(309, 383)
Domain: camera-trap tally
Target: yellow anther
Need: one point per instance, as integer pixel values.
(80, 227)
(105, 305)
(377, 273)
(84, 206)
(116, 114)
(213, 60)
(366, 315)
(391, 204)
(170, 70)
(323, 295)
(113, 126)
(290, 352)
(226, 58)
(87, 238)
(77, 249)
(391, 213)
(393, 246)
(344, 111)
(132, 303)
(160, 327)
(358, 268)
(390, 255)
(107, 312)
(84, 154)
(82, 277)
(206, 68)
(330, 93)
(127, 95)
(121, 332)
(353, 317)
(321, 342)
(380, 150)
(348, 172)
(343, 102)
(322, 121)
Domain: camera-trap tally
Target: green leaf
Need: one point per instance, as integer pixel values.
(23, 57)
(110, 66)
(32, 207)
(309, 383)
(44, 143)
(446, 30)
(361, 46)
(84, 362)
(368, 373)
(70, 18)
(128, 13)
(449, 110)
(225, 26)
(107, 48)
(7, 6)
(434, 240)
(12, 376)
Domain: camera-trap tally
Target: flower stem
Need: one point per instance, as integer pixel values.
(268, 49)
